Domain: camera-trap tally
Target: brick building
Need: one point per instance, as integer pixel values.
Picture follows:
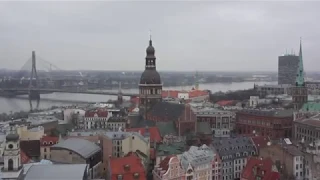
(268, 123)
(181, 114)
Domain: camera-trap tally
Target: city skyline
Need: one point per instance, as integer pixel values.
(187, 36)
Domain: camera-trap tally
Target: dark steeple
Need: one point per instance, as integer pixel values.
(150, 58)
(300, 71)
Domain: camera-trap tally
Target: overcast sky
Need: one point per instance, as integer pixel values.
(211, 36)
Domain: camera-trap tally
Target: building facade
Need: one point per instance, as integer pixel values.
(150, 85)
(197, 163)
(78, 151)
(307, 128)
(96, 119)
(169, 169)
(233, 153)
(12, 169)
(221, 122)
(45, 143)
(268, 123)
(287, 69)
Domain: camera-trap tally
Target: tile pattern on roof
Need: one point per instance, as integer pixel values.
(133, 163)
(262, 168)
(233, 146)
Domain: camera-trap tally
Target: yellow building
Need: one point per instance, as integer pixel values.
(30, 134)
(136, 142)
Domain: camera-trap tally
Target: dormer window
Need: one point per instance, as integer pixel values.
(44, 143)
(120, 177)
(50, 142)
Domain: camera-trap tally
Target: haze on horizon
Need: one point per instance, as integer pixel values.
(187, 36)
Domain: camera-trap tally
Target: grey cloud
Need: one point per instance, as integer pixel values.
(242, 36)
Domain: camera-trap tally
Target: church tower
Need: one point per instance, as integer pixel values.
(150, 86)
(299, 91)
(120, 97)
(12, 161)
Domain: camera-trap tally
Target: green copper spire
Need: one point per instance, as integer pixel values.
(300, 73)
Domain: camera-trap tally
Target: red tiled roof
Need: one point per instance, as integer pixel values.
(261, 165)
(135, 166)
(260, 141)
(48, 140)
(24, 158)
(154, 133)
(164, 164)
(225, 103)
(100, 112)
(170, 93)
(198, 93)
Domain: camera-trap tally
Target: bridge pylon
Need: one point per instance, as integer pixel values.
(33, 83)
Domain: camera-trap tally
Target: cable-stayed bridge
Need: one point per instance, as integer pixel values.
(32, 81)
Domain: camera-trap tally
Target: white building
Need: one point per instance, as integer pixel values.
(197, 163)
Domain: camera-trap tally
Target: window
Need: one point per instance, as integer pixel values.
(45, 156)
(10, 165)
(45, 150)
(297, 166)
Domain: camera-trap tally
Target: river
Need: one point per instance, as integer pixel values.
(58, 99)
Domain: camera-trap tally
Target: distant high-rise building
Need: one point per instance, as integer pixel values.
(287, 69)
(299, 90)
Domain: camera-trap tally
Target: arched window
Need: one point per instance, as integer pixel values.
(10, 165)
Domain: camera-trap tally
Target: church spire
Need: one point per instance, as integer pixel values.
(300, 71)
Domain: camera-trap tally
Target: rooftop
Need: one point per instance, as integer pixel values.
(311, 121)
(259, 167)
(56, 171)
(166, 110)
(269, 113)
(153, 132)
(171, 149)
(82, 147)
(127, 167)
(100, 112)
(48, 140)
(196, 156)
(260, 141)
(232, 146)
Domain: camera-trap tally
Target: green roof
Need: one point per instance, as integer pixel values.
(311, 106)
(171, 148)
(204, 127)
(166, 128)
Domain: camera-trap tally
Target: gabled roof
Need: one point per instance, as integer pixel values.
(164, 164)
(153, 132)
(166, 110)
(82, 147)
(98, 112)
(48, 140)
